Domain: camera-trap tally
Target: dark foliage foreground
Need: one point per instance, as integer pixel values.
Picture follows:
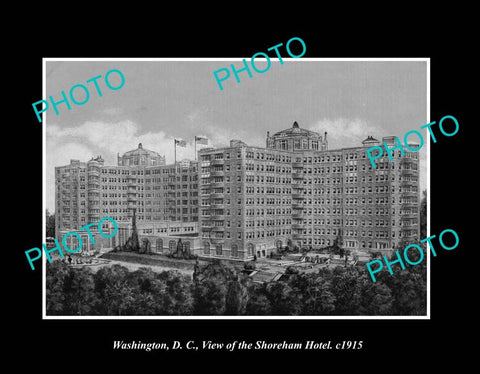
(218, 289)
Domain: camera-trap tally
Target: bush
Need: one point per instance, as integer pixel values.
(220, 289)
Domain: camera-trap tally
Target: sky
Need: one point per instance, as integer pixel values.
(165, 100)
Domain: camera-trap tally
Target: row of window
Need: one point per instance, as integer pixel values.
(265, 223)
(249, 179)
(219, 250)
(170, 171)
(310, 201)
(249, 155)
(162, 230)
(309, 170)
(269, 201)
(172, 208)
(179, 179)
(283, 144)
(218, 156)
(266, 233)
(250, 212)
(305, 222)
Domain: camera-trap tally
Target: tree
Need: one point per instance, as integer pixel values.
(56, 274)
(209, 297)
(249, 266)
(132, 244)
(284, 300)
(337, 246)
(210, 288)
(114, 294)
(347, 287)
(376, 299)
(258, 303)
(177, 298)
(291, 270)
(79, 288)
(146, 292)
(375, 255)
(408, 289)
(145, 247)
(121, 298)
(423, 215)
(50, 224)
(318, 298)
(237, 295)
(218, 289)
(289, 243)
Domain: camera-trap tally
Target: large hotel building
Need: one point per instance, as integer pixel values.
(239, 201)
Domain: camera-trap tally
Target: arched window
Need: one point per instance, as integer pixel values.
(186, 246)
(206, 248)
(234, 250)
(172, 246)
(278, 244)
(159, 245)
(250, 249)
(218, 250)
(73, 243)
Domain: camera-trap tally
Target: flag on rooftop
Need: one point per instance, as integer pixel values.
(201, 140)
(180, 142)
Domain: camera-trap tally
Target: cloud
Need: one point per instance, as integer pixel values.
(98, 135)
(113, 111)
(94, 138)
(220, 137)
(206, 121)
(346, 132)
(60, 153)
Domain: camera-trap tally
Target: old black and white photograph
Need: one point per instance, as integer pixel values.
(237, 188)
(283, 195)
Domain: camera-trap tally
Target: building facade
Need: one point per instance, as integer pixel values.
(163, 236)
(296, 192)
(85, 192)
(251, 201)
